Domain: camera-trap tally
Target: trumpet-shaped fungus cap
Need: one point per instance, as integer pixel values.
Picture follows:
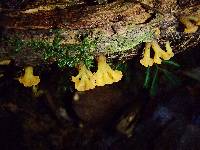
(159, 53)
(28, 79)
(84, 80)
(147, 60)
(104, 74)
(190, 26)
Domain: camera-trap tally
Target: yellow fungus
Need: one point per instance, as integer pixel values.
(159, 54)
(104, 74)
(191, 23)
(28, 79)
(84, 80)
(146, 60)
(169, 53)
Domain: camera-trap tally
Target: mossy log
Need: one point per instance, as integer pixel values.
(117, 30)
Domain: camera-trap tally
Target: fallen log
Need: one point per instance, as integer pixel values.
(70, 34)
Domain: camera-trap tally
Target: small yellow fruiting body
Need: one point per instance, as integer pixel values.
(169, 53)
(28, 79)
(146, 60)
(159, 54)
(104, 74)
(191, 23)
(84, 80)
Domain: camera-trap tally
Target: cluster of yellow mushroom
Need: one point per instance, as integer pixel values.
(191, 23)
(28, 79)
(159, 54)
(87, 80)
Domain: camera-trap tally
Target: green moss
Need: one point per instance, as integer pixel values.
(71, 54)
(17, 43)
(68, 55)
